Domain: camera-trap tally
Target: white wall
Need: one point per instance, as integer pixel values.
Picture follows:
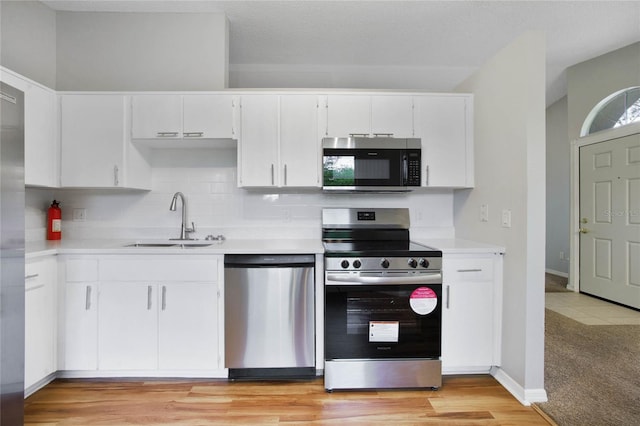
(509, 134)
(142, 51)
(28, 40)
(558, 189)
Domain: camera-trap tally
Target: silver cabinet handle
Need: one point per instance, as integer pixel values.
(285, 175)
(149, 294)
(273, 182)
(167, 134)
(164, 297)
(193, 134)
(469, 270)
(32, 276)
(427, 176)
(116, 181)
(87, 298)
(448, 296)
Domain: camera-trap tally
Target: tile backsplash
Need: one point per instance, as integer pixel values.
(217, 206)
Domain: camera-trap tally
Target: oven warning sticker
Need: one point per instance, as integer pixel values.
(423, 300)
(384, 331)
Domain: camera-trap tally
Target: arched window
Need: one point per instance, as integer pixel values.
(616, 110)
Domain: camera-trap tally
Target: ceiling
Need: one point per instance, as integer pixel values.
(446, 37)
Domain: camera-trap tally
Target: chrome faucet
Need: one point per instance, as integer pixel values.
(184, 230)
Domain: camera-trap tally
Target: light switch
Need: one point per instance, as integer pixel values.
(506, 218)
(484, 213)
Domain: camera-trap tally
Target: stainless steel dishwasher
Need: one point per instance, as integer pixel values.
(269, 316)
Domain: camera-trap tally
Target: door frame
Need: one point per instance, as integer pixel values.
(574, 208)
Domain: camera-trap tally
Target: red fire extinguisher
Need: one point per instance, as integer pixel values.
(54, 221)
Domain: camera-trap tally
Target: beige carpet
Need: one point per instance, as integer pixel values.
(592, 373)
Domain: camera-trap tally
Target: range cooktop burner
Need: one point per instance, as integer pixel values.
(378, 248)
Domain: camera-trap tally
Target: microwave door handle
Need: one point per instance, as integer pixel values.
(405, 170)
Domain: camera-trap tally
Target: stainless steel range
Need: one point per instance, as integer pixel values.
(383, 302)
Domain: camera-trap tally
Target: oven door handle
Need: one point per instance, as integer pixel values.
(351, 279)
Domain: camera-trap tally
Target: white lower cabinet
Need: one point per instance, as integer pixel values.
(156, 315)
(471, 319)
(187, 326)
(40, 323)
(127, 326)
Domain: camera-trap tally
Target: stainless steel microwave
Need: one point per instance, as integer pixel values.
(382, 164)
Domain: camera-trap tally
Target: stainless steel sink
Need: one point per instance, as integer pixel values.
(177, 244)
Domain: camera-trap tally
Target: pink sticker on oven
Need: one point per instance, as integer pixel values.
(423, 300)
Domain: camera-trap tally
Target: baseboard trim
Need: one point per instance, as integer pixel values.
(558, 273)
(525, 396)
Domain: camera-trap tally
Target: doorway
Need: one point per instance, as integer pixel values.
(609, 219)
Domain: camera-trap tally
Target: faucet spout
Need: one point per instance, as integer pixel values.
(184, 229)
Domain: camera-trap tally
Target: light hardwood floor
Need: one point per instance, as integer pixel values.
(462, 400)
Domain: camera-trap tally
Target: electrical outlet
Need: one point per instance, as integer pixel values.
(79, 215)
(561, 255)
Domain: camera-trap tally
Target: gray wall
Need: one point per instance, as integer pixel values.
(558, 189)
(142, 51)
(28, 40)
(509, 137)
(591, 81)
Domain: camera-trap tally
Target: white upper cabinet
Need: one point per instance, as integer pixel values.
(444, 123)
(258, 144)
(299, 141)
(369, 115)
(197, 116)
(279, 142)
(392, 115)
(348, 115)
(156, 116)
(95, 149)
(41, 146)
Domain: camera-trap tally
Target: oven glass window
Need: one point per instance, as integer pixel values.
(379, 321)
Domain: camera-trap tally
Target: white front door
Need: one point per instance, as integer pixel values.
(610, 220)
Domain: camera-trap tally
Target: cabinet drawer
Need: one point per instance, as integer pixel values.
(82, 270)
(159, 269)
(466, 270)
(35, 274)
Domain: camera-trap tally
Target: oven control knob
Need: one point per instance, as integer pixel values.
(344, 264)
(357, 264)
(384, 263)
(424, 263)
(412, 262)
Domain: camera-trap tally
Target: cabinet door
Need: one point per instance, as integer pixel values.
(392, 115)
(468, 320)
(208, 116)
(156, 116)
(447, 157)
(348, 114)
(188, 326)
(40, 150)
(299, 142)
(81, 326)
(40, 320)
(258, 151)
(92, 140)
(128, 326)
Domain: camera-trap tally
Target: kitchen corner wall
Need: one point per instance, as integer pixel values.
(217, 206)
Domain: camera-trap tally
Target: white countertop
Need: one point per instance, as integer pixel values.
(459, 246)
(240, 246)
(44, 248)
